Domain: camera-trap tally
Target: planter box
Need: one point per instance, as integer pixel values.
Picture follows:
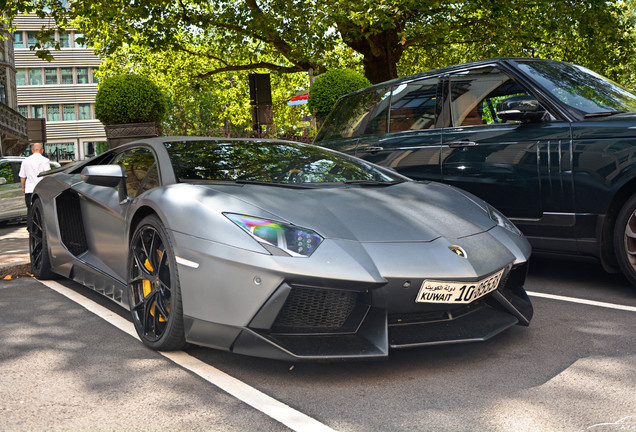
(125, 133)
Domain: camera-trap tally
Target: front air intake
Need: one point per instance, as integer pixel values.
(69, 216)
(312, 310)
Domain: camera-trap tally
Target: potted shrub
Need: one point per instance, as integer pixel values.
(131, 107)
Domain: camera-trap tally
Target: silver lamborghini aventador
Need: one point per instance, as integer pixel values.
(279, 249)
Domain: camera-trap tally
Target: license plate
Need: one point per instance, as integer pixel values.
(434, 291)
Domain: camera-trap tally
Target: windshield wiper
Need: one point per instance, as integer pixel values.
(603, 114)
(372, 182)
(266, 183)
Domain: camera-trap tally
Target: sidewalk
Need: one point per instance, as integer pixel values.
(14, 250)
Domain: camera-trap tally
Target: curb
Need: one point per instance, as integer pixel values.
(15, 270)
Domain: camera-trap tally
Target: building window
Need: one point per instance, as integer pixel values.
(53, 112)
(67, 75)
(95, 78)
(32, 39)
(22, 109)
(82, 75)
(38, 111)
(35, 76)
(65, 40)
(80, 43)
(94, 148)
(20, 76)
(18, 40)
(69, 112)
(84, 111)
(60, 151)
(50, 75)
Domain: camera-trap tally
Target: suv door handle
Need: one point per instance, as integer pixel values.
(372, 149)
(456, 144)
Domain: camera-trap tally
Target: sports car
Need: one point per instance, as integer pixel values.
(279, 249)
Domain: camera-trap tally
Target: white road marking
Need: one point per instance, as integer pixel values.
(269, 406)
(583, 301)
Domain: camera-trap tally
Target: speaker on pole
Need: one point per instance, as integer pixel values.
(261, 101)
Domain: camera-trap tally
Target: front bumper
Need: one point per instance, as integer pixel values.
(312, 323)
(348, 300)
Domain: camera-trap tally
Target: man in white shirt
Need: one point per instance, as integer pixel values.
(29, 170)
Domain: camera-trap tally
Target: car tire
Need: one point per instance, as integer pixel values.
(625, 239)
(38, 243)
(154, 293)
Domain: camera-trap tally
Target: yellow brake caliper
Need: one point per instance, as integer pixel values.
(147, 285)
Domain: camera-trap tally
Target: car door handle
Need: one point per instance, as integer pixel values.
(456, 144)
(373, 149)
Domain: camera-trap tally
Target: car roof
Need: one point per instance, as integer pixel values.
(20, 159)
(449, 69)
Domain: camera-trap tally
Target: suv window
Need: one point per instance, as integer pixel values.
(364, 113)
(475, 94)
(141, 170)
(413, 105)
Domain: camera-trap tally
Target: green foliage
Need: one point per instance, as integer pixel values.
(598, 34)
(386, 38)
(129, 98)
(215, 105)
(331, 86)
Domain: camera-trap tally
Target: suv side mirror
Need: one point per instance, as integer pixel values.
(520, 108)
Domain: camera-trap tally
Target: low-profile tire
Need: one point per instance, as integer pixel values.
(38, 244)
(625, 239)
(154, 293)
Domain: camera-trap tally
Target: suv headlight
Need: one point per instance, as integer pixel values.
(501, 220)
(294, 240)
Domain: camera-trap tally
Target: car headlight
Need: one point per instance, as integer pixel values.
(501, 220)
(296, 241)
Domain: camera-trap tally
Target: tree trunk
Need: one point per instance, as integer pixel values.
(381, 52)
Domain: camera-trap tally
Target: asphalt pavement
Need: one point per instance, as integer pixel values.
(62, 367)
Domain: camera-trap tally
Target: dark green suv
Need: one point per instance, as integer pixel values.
(550, 144)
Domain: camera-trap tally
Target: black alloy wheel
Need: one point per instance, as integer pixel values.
(625, 240)
(38, 246)
(153, 287)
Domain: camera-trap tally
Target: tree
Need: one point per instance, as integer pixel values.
(218, 105)
(389, 36)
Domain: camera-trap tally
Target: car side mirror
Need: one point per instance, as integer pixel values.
(107, 176)
(3, 180)
(522, 108)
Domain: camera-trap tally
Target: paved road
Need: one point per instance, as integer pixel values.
(573, 369)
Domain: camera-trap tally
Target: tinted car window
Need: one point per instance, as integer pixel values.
(580, 88)
(259, 161)
(141, 170)
(413, 105)
(6, 171)
(476, 93)
(363, 113)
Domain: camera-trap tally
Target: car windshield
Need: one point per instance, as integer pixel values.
(263, 161)
(580, 88)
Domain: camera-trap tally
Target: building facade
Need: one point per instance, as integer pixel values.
(13, 126)
(61, 91)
